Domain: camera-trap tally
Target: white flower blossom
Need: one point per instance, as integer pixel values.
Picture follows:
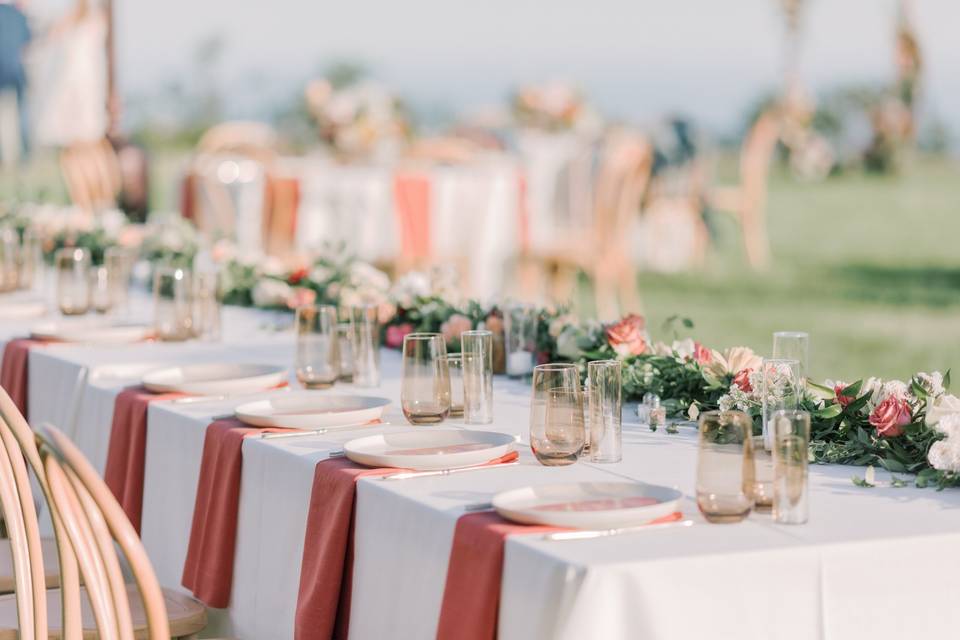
(941, 407)
(932, 383)
(410, 286)
(269, 292)
(944, 454)
(684, 348)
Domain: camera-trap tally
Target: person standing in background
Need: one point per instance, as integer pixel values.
(14, 36)
(72, 114)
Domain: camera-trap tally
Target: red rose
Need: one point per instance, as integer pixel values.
(842, 399)
(742, 380)
(891, 416)
(701, 354)
(396, 333)
(297, 276)
(628, 337)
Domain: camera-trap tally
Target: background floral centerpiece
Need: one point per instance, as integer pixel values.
(357, 119)
(552, 106)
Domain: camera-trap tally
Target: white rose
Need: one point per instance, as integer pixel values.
(940, 408)
(273, 267)
(367, 276)
(321, 273)
(269, 292)
(944, 454)
(684, 348)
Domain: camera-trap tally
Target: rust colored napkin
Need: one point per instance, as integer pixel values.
(208, 568)
(126, 453)
(15, 372)
(471, 597)
(326, 571)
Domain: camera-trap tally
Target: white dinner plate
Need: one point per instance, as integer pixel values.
(215, 378)
(21, 309)
(428, 448)
(91, 332)
(588, 505)
(311, 410)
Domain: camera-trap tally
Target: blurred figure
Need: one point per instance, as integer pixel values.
(14, 36)
(72, 114)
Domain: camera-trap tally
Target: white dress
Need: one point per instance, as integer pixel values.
(71, 86)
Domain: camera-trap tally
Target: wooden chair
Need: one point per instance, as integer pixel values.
(748, 200)
(87, 520)
(91, 172)
(600, 247)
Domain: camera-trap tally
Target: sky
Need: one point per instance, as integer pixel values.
(637, 60)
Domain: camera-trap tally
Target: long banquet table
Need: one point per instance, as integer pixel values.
(877, 563)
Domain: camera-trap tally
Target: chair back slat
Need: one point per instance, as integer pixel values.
(18, 436)
(104, 541)
(29, 622)
(67, 505)
(61, 454)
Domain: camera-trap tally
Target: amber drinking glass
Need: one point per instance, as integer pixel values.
(780, 385)
(455, 367)
(557, 432)
(425, 379)
(206, 306)
(725, 469)
(73, 283)
(100, 299)
(173, 303)
(119, 264)
(791, 435)
(318, 346)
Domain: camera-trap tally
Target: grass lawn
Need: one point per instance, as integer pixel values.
(866, 264)
(870, 266)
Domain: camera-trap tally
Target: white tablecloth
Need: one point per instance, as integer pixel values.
(473, 215)
(877, 563)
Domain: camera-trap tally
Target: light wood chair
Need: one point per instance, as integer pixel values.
(748, 200)
(599, 246)
(87, 520)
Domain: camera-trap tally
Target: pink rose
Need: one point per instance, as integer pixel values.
(701, 354)
(628, 337)
(891, 416)
(842, 399)
(454, 326)
(301, 296)
(396, 333)
(742, 380)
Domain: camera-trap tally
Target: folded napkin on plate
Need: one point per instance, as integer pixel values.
(208, 568)
(326, 570)
(126, 453)
(15, 372)
(471, 596)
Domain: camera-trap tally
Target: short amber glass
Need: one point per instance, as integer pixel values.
(557, 431)
(725, 469)
(318, 346)
(425, 379)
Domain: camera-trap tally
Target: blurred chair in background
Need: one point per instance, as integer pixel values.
(227, 188)
(748, 200)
